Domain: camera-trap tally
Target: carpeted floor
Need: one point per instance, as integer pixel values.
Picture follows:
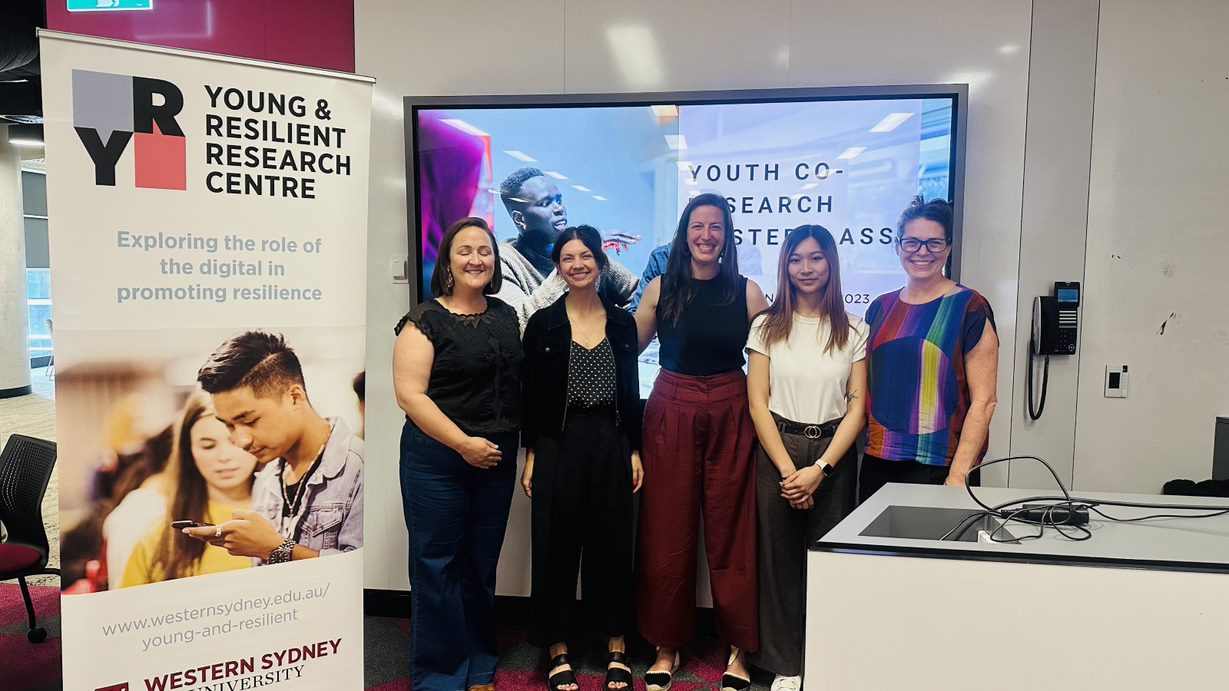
(521, 665)
(23, 665)
(27, 667)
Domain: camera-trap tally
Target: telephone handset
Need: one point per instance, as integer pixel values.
(1055, 331)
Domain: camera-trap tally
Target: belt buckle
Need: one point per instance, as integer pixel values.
(813, 431)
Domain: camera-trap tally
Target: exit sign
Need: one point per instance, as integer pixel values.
(109, 5)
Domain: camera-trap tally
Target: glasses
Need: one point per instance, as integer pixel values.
(935, 245)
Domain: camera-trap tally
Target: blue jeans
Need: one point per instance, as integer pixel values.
(456, 515)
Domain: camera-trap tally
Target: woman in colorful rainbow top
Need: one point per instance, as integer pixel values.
(932, 365)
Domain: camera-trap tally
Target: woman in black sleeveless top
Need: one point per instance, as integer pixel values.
(456, 373)
(698, 446)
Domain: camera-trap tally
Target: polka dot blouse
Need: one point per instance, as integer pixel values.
(591, 376)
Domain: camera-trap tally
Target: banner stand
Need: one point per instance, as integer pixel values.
(208, 219)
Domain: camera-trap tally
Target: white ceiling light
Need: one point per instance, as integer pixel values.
(665, 111)
(26, 135)
(851, 152)
(599, 197)
(464, 127)
(521, 156)
(581, 188)
(636, 55)
(676, 141)
(556, 174)
(891, 122)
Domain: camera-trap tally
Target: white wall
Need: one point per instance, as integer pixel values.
(14, 309)
(1132, 171)
(1157, 245)
(552, 46)
(1058, 147)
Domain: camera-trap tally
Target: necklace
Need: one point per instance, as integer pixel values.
(574, 318)
(301, 489)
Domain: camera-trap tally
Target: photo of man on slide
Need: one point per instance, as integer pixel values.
(307, 500)
(530, 282)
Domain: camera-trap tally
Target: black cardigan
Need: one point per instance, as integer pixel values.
(548, 340)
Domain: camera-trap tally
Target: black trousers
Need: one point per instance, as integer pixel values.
(785, 534)
(877, 472)
(581, 512)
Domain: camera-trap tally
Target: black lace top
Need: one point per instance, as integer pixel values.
(476, 376)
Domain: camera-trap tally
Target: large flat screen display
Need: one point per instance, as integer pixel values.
(846, 159)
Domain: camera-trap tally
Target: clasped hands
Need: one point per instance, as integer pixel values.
(799, 487)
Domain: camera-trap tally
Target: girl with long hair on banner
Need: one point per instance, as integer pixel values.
(806, 381)
(699, 445)
(209, 479)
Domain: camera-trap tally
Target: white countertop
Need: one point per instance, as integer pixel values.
(1171, 543)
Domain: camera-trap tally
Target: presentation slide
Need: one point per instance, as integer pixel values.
(849, 165)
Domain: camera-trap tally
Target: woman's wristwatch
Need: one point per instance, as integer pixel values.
(283, 553)
(824, 467)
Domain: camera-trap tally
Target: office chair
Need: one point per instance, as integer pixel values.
(25, 470)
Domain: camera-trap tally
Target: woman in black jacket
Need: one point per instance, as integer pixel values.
(582, 434)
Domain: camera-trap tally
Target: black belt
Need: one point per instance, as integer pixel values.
(827, 429)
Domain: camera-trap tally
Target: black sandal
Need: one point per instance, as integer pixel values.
(562, 678)
(733, 682)
(661, 681)
(620, 673)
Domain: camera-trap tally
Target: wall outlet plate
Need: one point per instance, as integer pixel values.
(399, 269)
(1116, 380)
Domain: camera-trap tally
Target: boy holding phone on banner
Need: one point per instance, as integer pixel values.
(308, 497)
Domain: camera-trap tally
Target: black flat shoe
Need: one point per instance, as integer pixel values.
(563, 677)
(661, 681)
(617, 671)
(733, 682)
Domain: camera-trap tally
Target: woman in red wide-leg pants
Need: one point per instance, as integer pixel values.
(700, 442)
(698, 446)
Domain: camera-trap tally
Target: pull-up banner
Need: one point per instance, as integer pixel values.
(208, 224)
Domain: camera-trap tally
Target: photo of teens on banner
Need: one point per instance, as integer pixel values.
(181, 465)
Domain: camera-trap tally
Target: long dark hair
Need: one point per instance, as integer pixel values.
(678, 286)
(443, 261)
(779, 317)
(176, 555)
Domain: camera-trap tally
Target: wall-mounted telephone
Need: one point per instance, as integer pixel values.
(1055, 332)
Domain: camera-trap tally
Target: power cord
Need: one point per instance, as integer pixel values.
(1066, 514)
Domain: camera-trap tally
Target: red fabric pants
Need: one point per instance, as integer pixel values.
(699, 446)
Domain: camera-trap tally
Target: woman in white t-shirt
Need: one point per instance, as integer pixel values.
(806, 379)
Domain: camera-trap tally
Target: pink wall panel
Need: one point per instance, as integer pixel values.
(316, 33)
